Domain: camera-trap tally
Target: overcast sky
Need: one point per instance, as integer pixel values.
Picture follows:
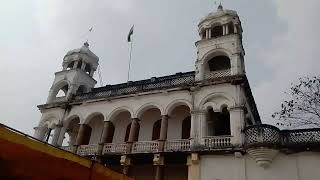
(281, 38)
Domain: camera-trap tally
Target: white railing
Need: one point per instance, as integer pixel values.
(145, 147)
(217, 142)
(112, 148)
(88, 150)
(68, 148)
(217, 74)
(178, 145)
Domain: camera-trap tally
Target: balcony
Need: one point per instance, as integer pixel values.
(88, 150)
(218, 74)
(217, 142)
(113, 148)
(262, 135)
(68, 148)
(177, 145)
(145, 147)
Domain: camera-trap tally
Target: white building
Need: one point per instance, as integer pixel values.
(196, 125)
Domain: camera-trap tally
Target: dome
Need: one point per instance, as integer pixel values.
(218, 14)
(83, 50)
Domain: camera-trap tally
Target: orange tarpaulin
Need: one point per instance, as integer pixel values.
(22, 157)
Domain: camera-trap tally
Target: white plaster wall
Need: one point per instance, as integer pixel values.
(96, 123)
(301, 166)
(120, 122)
(146, 124)
(175, 122)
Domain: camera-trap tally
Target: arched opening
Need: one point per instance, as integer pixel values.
(179, 123)
(88, 68)
(216, 31)
(156, 130)
(70, 66)
(218, 123)
(148, 117)
(71, 132)
(203, 34)
(186, 127)
(219, 63)
(230, 28)
(96, 124)
(121, 119)
(79, 64)
(63, 91)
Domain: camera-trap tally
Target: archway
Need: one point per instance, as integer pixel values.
(218, 123)
(71, 132)
(96, 124)
(120, 119)
(179, 123)
(148, 117)
(219, 63)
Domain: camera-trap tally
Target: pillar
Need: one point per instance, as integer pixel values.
(105, 135)
(193, 164)
(163, 132)
(83, 66)
(223, 29)
(56, 135)
(227, 29)
(83, 135)
(235, 28)
(39, 133)
(207, 34)
(75, 64)
(133, 135)
(237, 124)
(210, 36)
(158, 162)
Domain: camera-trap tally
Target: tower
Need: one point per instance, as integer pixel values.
(76, 76)
(220, 51)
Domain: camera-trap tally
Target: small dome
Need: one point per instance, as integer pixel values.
(83, 50)
(219, 13)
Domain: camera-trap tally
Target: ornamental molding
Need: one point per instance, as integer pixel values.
(263, 156)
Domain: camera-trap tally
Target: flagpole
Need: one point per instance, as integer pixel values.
(130, 56)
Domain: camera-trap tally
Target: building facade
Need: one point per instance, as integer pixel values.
(202, 124)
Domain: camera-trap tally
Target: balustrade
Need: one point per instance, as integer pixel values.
(113, 148)
(217, 74)
(68, 148)
(178, 145)
(145, 147)
(217, 142)
(87, 150)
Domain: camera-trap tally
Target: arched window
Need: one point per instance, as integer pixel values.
(156, 130)
(186, 127)
(70, 65)
(219, 63)
(216, 31)
(63, 91)
(218, 123)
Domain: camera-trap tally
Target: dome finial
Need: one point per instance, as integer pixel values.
(220, 7)
(86, 44)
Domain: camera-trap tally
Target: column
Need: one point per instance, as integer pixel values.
(56, 135)
(40, 132)
(236, 125)
(83, 133)
(210, 36)
(198, 127)
(83, 65)
(133, 135)
(207, 33)
(75, 64)
(223, 29)
(158, 162)
(235, 28)
(227, 29)
(193, 164)
(105, 136)
(163, 132)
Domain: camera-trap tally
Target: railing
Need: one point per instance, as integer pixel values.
(165, 82)
(217, 74)
(145, 147)
(177, 145)
(113, 148)
(217, 142)
(88, 150)
(262, 135)
(68, 148)
(301, 137)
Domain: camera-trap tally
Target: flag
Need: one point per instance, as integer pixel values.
(130, 34)
(90, 29)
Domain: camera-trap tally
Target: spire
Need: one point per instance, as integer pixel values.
(86, 44)
(220, 7)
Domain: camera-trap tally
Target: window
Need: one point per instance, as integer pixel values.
(216, 31)
(219, 63)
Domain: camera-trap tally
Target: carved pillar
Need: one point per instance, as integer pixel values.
(163, 132)
(83, 135)
(56, 135)
(106, 133)
(223, 29)
(193, 164)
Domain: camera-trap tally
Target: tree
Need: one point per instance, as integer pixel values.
(303, 106)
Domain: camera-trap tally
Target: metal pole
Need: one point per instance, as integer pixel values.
(130, 56)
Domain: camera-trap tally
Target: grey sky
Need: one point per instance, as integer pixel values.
(280, 38)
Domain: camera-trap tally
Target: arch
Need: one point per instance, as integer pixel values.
(216, 31)
(216, 52)
(219, 63)
(170, 107)
(218, 123)
(231, 27)
(146, 107)
(91, 116)
(72, 126)
(49, 120)
(63, 85)
(117, 111)
(224, 99)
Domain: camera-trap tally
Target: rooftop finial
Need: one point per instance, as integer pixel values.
(86, 44)
(220, 7)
